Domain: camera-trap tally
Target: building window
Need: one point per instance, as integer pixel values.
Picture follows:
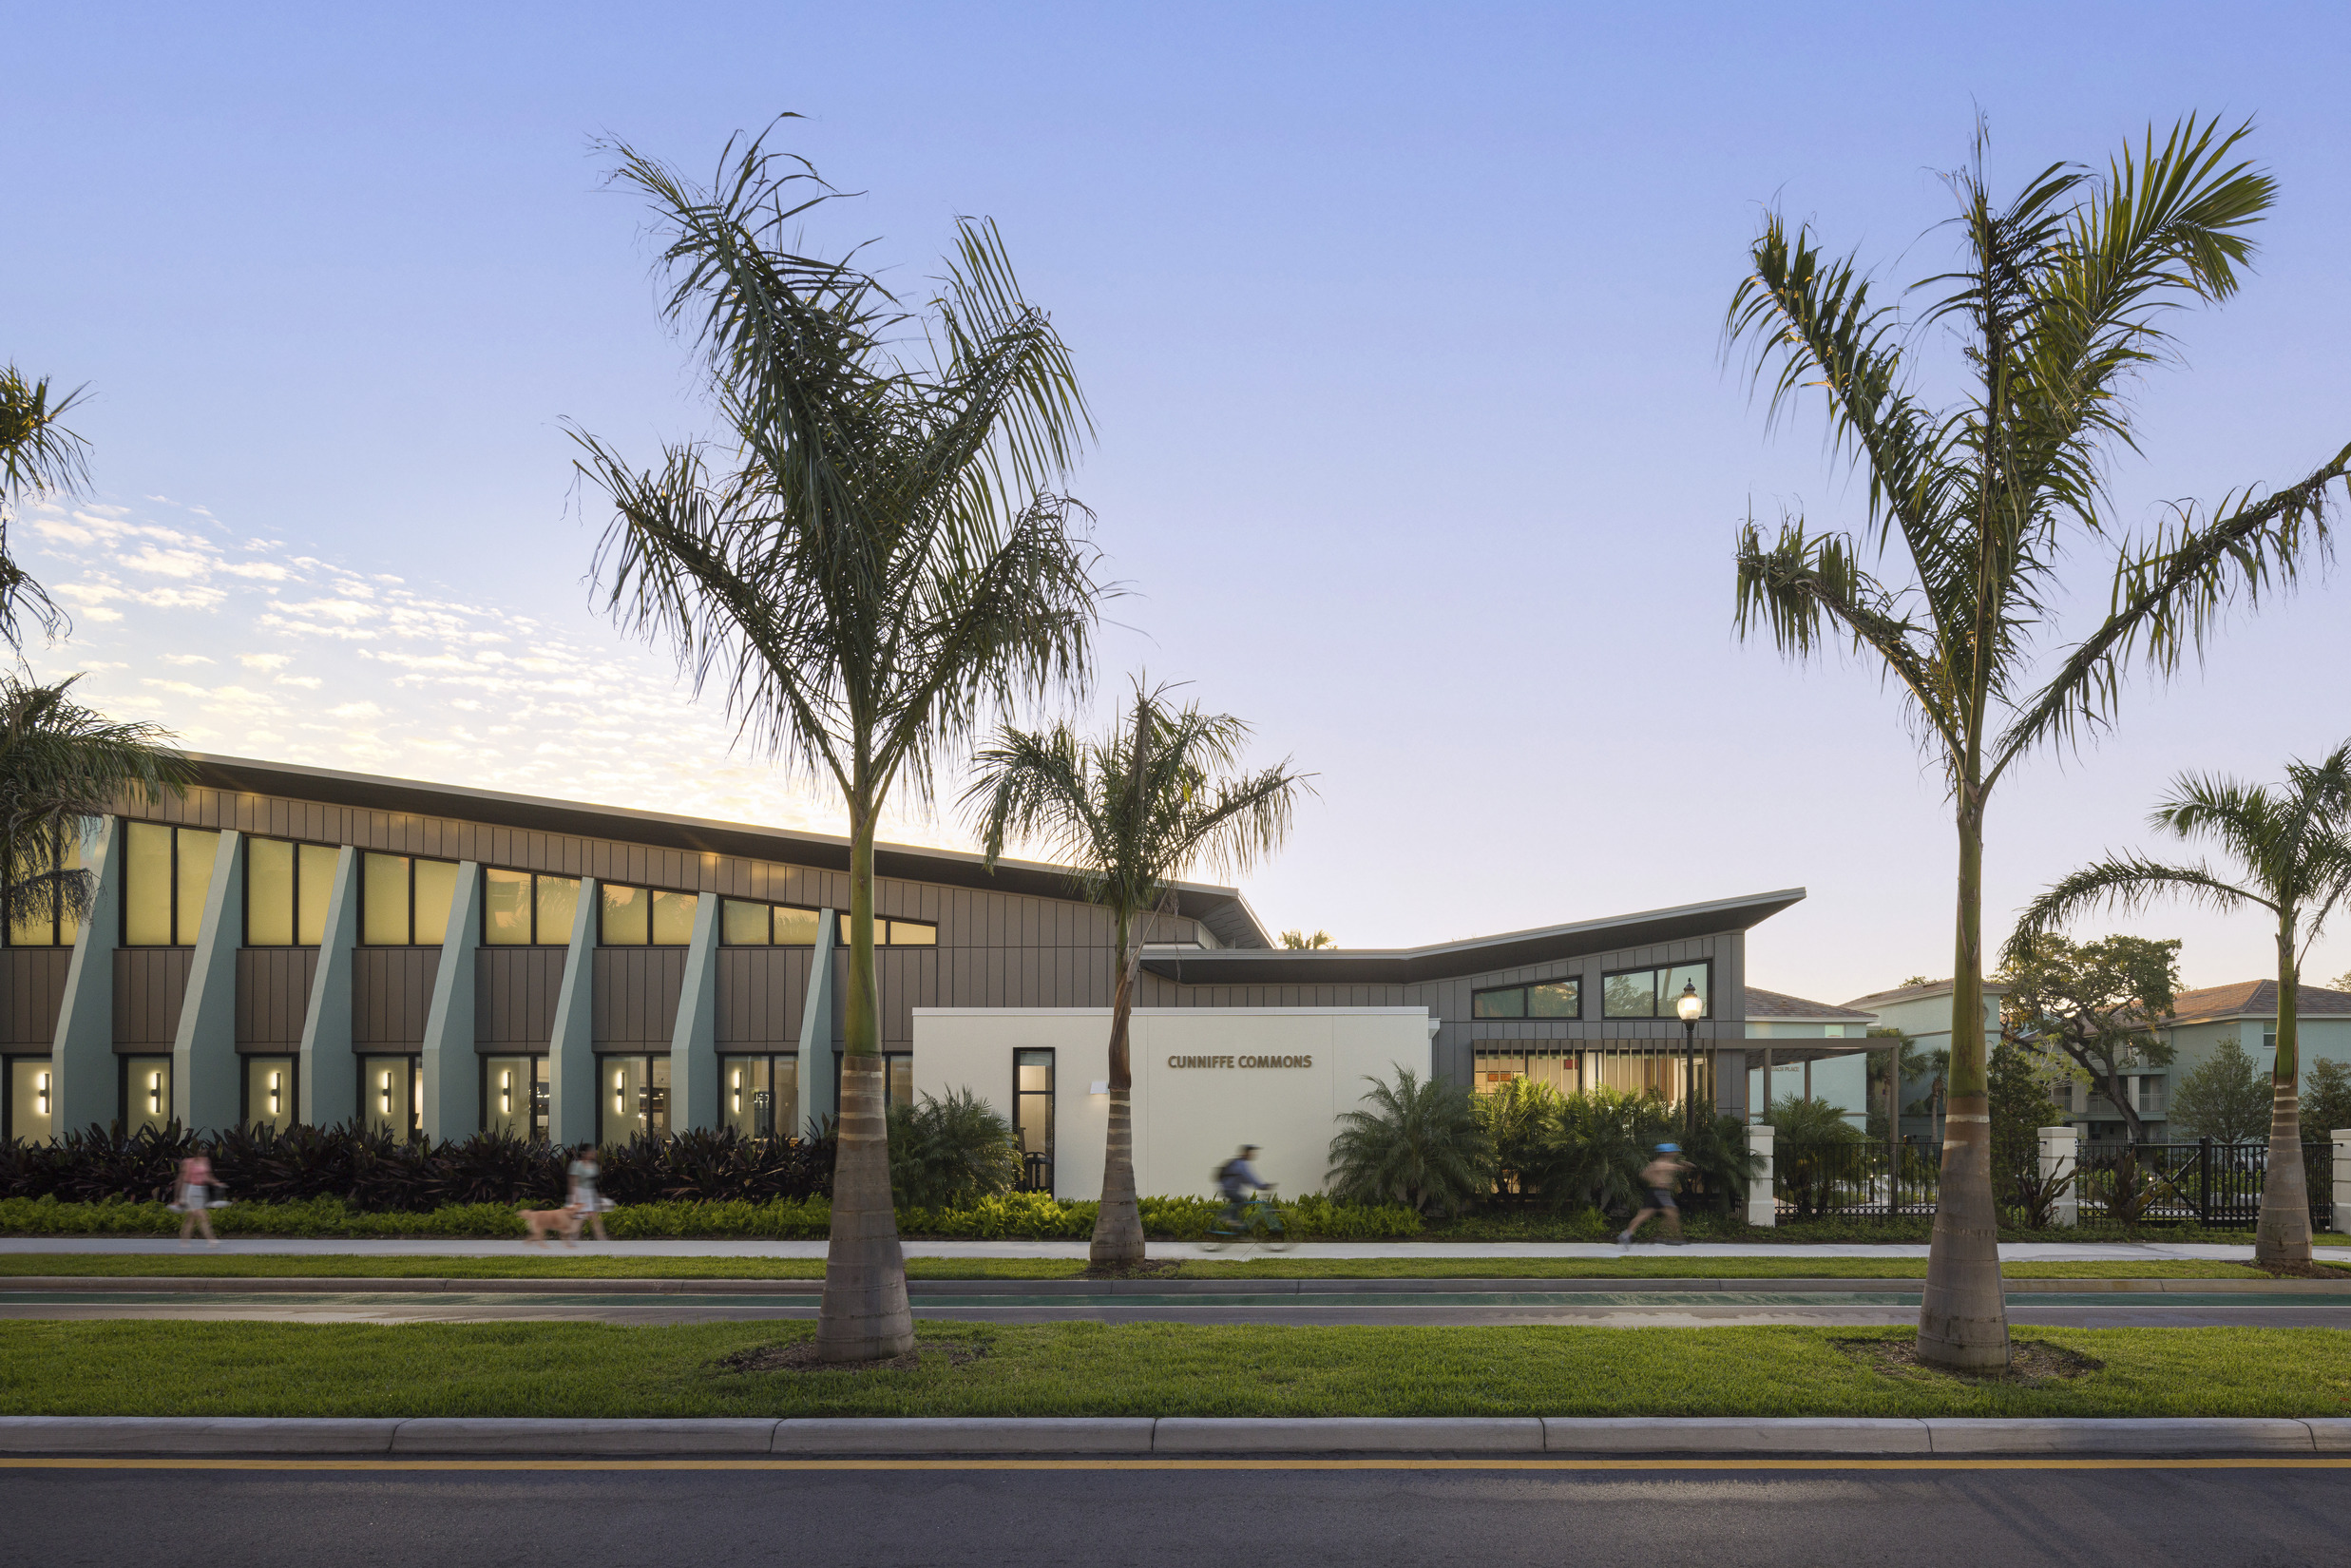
(55, 927)
(32, 1098)
(897, 1077)
(392, 1095)
(525, 909)
(514, 1096)
(632, 1096)
(269, 1091)
(1540, 999)
(759, 1096)
(1032, 1117)
(405, 902)
(166, 872)
(742, 924)
(1652, 993)
(645, 917)
(287, 886)
(893, 933)
(146, 1092)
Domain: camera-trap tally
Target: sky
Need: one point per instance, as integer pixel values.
(1416, 446)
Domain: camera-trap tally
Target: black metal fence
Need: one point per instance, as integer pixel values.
(2202, 1183)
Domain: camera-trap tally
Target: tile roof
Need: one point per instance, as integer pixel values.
(2255, 999)
(1762, 1003)
(1913, 993)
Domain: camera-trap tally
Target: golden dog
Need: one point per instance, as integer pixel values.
(564, 1221)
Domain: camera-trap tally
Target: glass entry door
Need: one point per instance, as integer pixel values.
(1032, 1117)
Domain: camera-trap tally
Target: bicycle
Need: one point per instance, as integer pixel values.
(1261, 1221)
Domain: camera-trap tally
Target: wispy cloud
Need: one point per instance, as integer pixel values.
(350, 664)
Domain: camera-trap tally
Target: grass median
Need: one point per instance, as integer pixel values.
(1288, 1266)
(587, 1369)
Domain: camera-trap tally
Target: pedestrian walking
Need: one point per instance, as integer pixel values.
(1660, 1175)
(584, 1201)
(192, 1196)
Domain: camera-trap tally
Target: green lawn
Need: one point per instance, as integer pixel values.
(558, 1266)
(588, 1370)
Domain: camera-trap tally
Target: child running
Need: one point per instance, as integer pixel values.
(1660, 1175)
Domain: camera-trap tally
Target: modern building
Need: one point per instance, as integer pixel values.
(1839, 1075)
(290, 944)
(1923, 1013)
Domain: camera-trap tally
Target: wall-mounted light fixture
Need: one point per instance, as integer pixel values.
(41, 1093)
(736, 1089)
(276, 1082)
(506, 1091)
(155, 1093)
(383, 1083)
(619, 1091)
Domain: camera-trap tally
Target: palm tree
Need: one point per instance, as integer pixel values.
(60, 765)
(2293, 847)
(1422, 1144)
(880, 555)
(1128, 814)
(37, 454)
(2056, 303)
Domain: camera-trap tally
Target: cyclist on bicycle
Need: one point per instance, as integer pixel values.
(1236, 1179)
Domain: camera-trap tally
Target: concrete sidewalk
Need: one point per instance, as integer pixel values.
(1110, 1438)
(2012, 1251)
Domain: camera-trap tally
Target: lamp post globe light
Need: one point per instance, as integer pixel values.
(1692, 1006)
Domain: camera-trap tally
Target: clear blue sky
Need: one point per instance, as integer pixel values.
(1401, 330)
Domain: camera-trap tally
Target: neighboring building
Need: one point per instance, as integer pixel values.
(296, 944)
(2199, 1020)
(1923, 1013)
(1838, 1075)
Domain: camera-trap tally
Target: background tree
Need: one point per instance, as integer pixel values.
(1421, 1144)
(2221, 1097)
(1300, 942)
(2341, 983)
(60, 765)
(2326, 1104)
(2097, 1002)
(1886, 1072)
(2021, 1107)
(2056, 303)
(2293, 849)
(38, 455)
(873, 553)
(1129, 814)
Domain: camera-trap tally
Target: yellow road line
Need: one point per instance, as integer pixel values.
(1273, 1463)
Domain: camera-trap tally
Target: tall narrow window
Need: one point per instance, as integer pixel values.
(166, 873)
(287, 886)
(269, 1091)
(1032, 1117)
(146, 1092)
(38, 922)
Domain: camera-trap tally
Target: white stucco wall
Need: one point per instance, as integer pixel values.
(1188, 1121)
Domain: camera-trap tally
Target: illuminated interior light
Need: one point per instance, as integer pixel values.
(277, 1081)
(505, 1093)
(384, 1082)
(41, 1093)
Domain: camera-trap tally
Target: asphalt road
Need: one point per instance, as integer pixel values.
(1627, 1309)
(1265, 1513)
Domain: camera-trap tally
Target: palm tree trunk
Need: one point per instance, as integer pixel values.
(865, 1316)
(1119, 1224)
(1963, 1317)
(2283, 1234)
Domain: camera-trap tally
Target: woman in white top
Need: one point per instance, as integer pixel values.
(193, 1198)
(585, 1203)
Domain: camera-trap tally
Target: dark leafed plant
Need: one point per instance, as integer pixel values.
(2223, 1098)
(1813, 1154)
(943, 1153)
(1600, 1139)
(1522, 1122)
(873, 551)
(60, 766)
(1419, 1143)
(2292, 847)
(1128, 814)
(2057, 304)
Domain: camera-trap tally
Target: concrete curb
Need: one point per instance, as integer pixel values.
(342, 1285)
(1196, 1437)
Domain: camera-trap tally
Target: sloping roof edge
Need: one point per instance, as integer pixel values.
(1477, 955)
(1222, 910)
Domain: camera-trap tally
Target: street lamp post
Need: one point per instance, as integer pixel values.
(1692, 1006)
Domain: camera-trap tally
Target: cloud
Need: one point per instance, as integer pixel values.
(186, 658)
(265, 661)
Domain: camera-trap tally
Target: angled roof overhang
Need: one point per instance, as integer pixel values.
(1222, 910)
(1479, 955)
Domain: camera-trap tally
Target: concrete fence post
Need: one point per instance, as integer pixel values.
(2341, 1137)
(2060, 1151)
(1763, 1204)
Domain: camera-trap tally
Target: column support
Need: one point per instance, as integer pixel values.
(1763, 1205)
(451, 1068)
(2060, 1149)
(205, 1093)
(694, 1042)
(326, 1078)
(87, 1081)
(2341, 1137)
(818, 1082)
(572, 1047)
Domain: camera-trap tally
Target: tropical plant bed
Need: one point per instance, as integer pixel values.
(534, 1265)
(590, 1370)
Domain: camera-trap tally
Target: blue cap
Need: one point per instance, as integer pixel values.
(1668, 1148)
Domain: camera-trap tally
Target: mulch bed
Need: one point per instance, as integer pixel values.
(800, 1356)
(2032, 1362)
(2302, 1270)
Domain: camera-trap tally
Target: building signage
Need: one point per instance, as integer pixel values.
(1240, 1061)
